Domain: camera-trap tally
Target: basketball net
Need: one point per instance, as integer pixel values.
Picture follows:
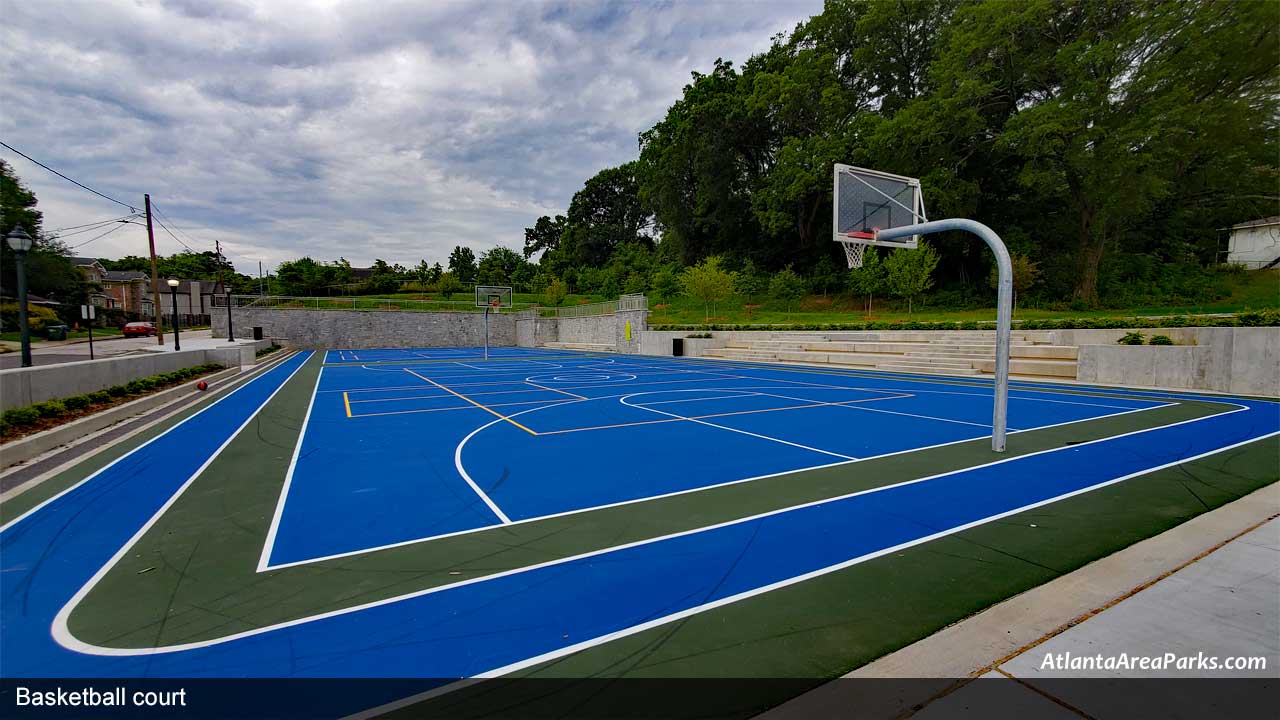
(853, 251)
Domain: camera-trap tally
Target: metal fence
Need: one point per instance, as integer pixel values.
(609, 307)
(524, 310)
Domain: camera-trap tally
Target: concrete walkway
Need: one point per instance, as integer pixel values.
(64, 351)
(1209, 588)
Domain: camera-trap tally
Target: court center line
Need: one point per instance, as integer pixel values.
(562, 392)
(482, 407)
(446, 409)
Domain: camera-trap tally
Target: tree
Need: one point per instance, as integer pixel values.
(448, 285)
(1026, 273)
(870, 278)
(604, 215)
(666, 282)
(555, 292)
(749, 281)
(826, 277)
(787, 286)
(544, 235)
(499, 266)
(708, 282)
(909, 272)
(462, 263)
(49, 270)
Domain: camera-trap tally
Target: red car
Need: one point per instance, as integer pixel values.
(139, 329)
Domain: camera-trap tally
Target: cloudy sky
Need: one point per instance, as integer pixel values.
(358, 129)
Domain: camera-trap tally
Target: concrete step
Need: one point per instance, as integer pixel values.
(928, 370)
(1048, 368)
(593, 347)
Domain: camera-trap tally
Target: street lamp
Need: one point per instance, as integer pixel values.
(20, 242)
(173, 291)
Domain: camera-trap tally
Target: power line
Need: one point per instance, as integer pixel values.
(100, 222)
(64, 177)
(86, 242)
(175, 237)
(164, 215)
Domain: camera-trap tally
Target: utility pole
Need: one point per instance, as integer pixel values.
(155, 276)
(261, 289)
(226, 289)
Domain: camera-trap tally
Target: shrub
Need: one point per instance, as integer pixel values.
(1161, 340)
(21, 417)
(100, 396)
(117, 391)
(49, 408)
(77, 402)
(1132, 338)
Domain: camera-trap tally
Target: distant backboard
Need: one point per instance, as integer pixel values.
(493, 296)
(867, 201)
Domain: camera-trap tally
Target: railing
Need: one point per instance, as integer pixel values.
(287, 302)
(609, 307)
(524, 310)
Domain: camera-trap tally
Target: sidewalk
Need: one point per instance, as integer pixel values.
(1209, 588)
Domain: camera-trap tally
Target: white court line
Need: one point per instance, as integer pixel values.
(687, 491)
(743, 394)
(270, 542)
(177, 425)
(624, 398)
(891, 412)
(62, 634)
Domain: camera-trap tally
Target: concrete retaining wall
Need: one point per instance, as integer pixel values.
(1235, 360)
(24, 386)
(364, 329)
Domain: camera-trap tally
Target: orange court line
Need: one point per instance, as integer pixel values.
(347, 402)
(444, 409)
(473, 402)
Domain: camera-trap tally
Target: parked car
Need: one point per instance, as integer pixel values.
(139, 329)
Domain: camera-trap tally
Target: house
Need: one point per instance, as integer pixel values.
(1255, 244)
(128, 290)
(194, 298)
(92, 272)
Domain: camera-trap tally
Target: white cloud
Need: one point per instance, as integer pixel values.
(367, 129)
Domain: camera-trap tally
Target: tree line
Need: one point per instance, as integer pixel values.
(1107, 142)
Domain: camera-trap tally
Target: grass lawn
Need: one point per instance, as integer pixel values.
(1252, 291)
(72, 335)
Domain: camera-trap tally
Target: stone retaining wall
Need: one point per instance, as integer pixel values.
(366, 329)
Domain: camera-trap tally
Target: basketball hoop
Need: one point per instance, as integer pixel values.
(855, 246)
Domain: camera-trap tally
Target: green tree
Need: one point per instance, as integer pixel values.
(709, 282)
(1026, 273)
(869, 279)
(544, 235)
(555, 292)
(786, 286)
(604, 215)
(499, 266)
(462, 264)
(749, 282)
(826, 277)
(666, 282)
(448, 284)
(909, 273)
(48, 268)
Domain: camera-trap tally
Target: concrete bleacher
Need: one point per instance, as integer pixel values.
(959, 353)
(591, 347)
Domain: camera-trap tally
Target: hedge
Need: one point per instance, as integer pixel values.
(19, 418)
(1258, 318)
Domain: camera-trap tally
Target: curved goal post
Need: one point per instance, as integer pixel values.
(886, 210)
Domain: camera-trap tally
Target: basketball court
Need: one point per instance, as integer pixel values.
(421, 513)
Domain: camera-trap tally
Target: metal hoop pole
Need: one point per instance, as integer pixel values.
(1004, 307)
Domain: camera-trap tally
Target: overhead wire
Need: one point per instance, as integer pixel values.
(68, 179)
(96, 237)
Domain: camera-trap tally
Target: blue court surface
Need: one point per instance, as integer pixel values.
(426, 513)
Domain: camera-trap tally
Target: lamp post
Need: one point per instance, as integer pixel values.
(20, 242)
(173, 292)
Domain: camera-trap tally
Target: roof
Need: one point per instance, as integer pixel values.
(124, 275)
(79, 261)
(1273, 220)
